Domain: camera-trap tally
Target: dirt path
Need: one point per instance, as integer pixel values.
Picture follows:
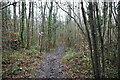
(51, 66)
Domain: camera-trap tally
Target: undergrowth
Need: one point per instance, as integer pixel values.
(20, 64)
(78, 64)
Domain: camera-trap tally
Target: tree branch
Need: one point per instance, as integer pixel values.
(14, 3)
(72, 18)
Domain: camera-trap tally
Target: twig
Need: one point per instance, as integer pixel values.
(72, 18)
(14, 3)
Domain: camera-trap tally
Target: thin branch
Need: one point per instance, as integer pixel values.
(14, 3)
(74, 12)
(72, 18)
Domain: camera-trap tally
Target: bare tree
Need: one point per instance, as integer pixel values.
(101, 40)
(22, 24)
(49, 26)
(41, 36)
(94, 39)
(88, 35)
(28, 27)
(118, 39)
(14, 10)
(32, 4)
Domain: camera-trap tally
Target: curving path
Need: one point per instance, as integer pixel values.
(51, 66)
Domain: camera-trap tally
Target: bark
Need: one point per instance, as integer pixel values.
(28, 27)
(14, 10)
(88, 35)
(101, 41)
(55, 26)
(94, 40)
(32, 4)
(3, 27)
(109, 23)
(105, 9)
(41, 37)
(22, 24)
(19, 16)
(68, 22)
(50, 27)
(118, 40)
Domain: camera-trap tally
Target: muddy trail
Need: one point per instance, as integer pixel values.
(50, 66)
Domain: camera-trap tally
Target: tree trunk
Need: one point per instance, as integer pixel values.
(105, 9)
(22, 24)
(28, 27)
(14, 10)
(32, 38)
(41, 37)
(101, 41)
(118, 40)
(94, 40)
(88, 36)
(49, 27)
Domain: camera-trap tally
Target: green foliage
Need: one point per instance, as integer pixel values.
(14, 35)
(111, 71)
(77, 65)
(111, 62)
(112, 52)
(33, 50)
(18, 63)
(4, 60)
(113, 27)
(14, 69)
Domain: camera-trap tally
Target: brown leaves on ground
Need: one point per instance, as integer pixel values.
(19, 64)
(77, 65)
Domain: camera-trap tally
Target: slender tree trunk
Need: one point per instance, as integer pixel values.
(110, 22)
(109, 29)
(3, 27)
(22, 24)
(94, 40)
(55, 26)
(28, 27)
(14, 10)
(54, 29)
(69, 26)
(19, 17)
(101, 41)
(105, 17)
(88, 36)
(49, 27)
(118, 40)
(32, 4)
(41, 37)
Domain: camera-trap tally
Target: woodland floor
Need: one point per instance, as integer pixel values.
(51, 66)
(62, 62)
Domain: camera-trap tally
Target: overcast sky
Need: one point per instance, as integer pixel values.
(60, 12)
